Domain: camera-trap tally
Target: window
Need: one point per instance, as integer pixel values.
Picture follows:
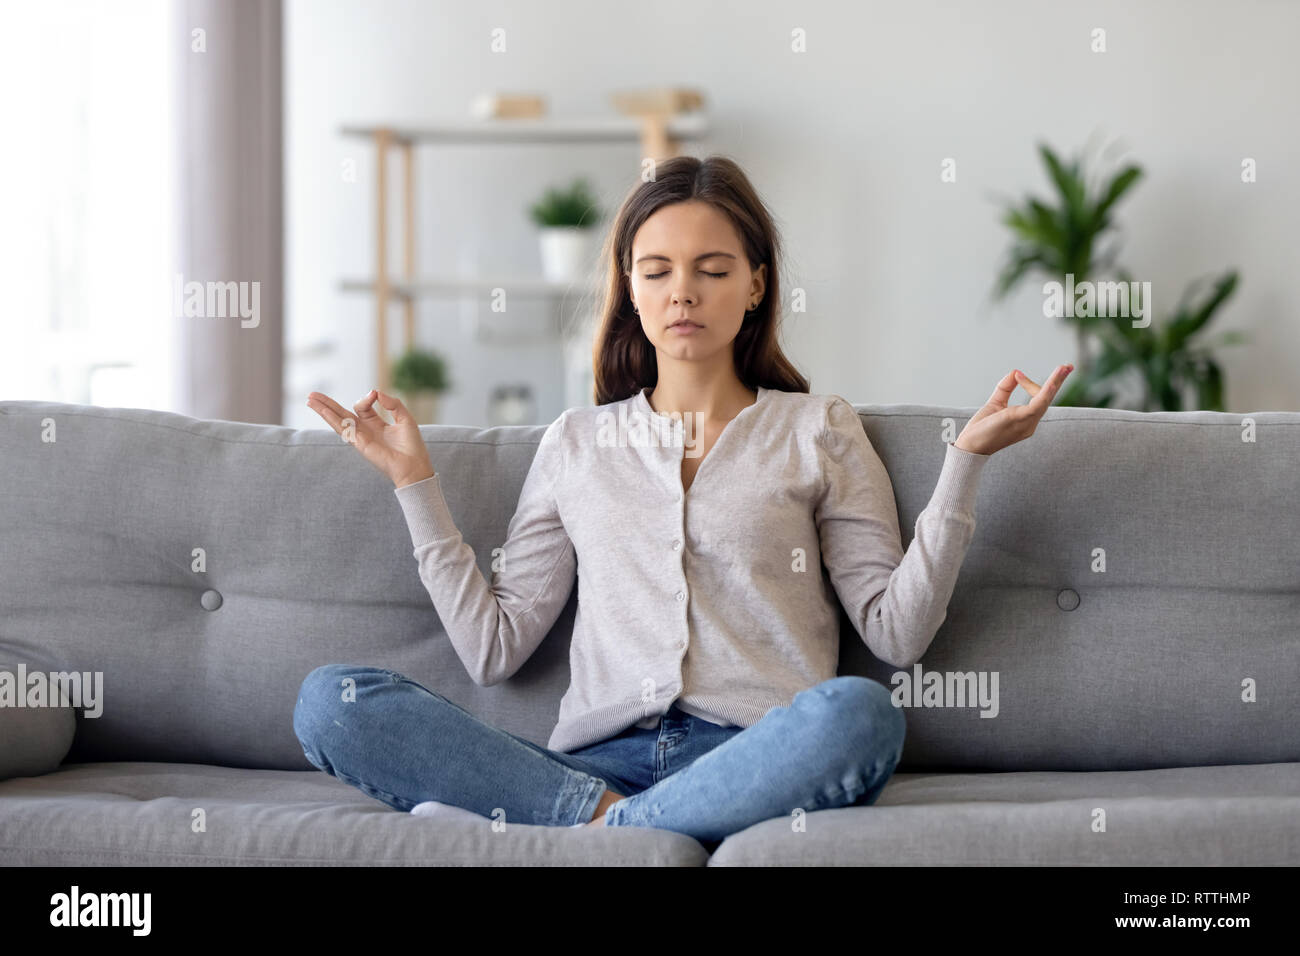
(85, 234)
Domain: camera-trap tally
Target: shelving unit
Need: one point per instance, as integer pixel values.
(659, 136)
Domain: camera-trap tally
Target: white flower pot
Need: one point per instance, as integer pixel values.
(422, 405)
(566, 252)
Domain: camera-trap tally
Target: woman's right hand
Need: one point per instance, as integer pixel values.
(397, 450)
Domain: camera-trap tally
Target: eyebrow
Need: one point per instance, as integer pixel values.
(707, 255)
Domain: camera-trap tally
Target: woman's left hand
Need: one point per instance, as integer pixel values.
(997, 425)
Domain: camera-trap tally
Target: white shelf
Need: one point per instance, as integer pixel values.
(614, 129)
(529, 287)
(656, 135)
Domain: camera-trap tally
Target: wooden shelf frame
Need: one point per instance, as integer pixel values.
(659, 135)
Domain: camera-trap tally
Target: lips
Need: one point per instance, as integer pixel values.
(686, 322)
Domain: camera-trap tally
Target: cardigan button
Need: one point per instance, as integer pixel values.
(677, 545)
(681, 596)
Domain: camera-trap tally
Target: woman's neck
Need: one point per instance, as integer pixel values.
(710, 401)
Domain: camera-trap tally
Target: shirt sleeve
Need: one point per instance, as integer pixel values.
(896, 601)
(496, 627)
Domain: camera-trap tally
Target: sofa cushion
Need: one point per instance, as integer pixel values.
(143, 814)
(33, 740)
(1186, 816)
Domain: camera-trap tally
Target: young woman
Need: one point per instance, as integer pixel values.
(696, 506)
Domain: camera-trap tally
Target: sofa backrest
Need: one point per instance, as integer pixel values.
(1134, 580)
(205, 567)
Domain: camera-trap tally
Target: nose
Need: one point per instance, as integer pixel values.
(678, 299)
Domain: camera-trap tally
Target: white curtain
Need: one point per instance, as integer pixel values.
(228, 210)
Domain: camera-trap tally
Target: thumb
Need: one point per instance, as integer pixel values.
(400, 415)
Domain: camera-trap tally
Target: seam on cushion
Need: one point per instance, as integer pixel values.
(617, 861)
(326, 442)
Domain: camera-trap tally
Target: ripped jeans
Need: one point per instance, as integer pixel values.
(835, 745)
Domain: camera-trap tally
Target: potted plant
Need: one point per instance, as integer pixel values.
(566, 218)
(1168, 367)
(419, 377)
(1065, 238)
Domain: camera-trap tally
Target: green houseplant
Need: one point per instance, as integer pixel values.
(1065, 237)
(566, 218)
(1168, 366)
(419, 377)
(1054, 241)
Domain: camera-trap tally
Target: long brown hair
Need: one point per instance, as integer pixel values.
(623, 359)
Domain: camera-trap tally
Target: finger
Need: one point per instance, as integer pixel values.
(330, 417)
(394, 405)
(1003, 390)
(1027, 383)
(319, 398)
(333, 413)
(1038, 404)
(365, 407)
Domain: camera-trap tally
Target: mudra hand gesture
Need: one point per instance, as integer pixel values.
(997, 425)
(397, 450)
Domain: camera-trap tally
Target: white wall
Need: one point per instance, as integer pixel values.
(845, 143)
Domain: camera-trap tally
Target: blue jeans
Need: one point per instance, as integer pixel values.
(835, 745)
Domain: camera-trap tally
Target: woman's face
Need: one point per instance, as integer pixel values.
(687, 263)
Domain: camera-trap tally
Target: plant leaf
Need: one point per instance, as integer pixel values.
(1119, 185)
(1067, 183)
(1022, 260)
(1189, 322)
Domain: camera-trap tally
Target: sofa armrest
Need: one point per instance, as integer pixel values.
(33, 740)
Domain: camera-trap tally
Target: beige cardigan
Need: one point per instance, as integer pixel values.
(715, 599)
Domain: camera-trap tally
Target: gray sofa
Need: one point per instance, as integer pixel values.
(1146, 708)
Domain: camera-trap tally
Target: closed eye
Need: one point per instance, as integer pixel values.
(716, 275)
